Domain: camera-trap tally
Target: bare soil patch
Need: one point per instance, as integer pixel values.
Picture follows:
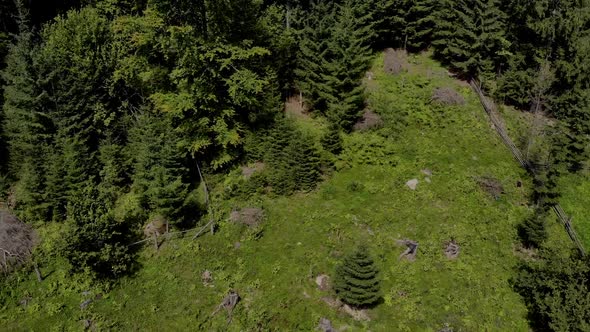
(369, 120)
(249, 216)
(395, 61)
(447, 96)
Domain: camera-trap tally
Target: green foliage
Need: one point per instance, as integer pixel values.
(555, 290)
(356, 282)
(95, 242)
(335, 50)
(293, 159)
(470, 36)
(158, 166)
(533, 231)
(305, 234)
(332, 140)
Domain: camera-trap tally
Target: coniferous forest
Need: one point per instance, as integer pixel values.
(242, 165)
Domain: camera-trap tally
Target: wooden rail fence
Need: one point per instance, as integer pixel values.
(490, 108)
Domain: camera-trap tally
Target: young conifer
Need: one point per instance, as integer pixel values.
(356, 281)
(332, 140)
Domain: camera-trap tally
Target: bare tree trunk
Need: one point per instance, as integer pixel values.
(287, 15)
(207, 201)
(37, 272)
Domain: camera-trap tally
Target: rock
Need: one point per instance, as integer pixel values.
(355, 313)
(237, 245)
(85, 304)
(446, 328)
(427, 180)
(206, 277)
(452, 249)
(25, 301)
(426, 172)
(325, 325)
(323, 282)
(412, 184)
(87, 323)
(333, 303)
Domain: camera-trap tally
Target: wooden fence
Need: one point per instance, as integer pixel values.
(490, 108)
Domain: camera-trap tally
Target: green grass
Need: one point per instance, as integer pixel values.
(307, 234)
(575, 201)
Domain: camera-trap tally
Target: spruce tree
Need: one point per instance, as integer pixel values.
(332, 140)
(280, 159)
(27, 127)
(307, 163)
(533, 230)
(313, 53)
(356, 281)
(469, 36)
(349, 55)
(158, 166)
(421, 23)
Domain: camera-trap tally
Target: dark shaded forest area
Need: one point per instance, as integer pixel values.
(110, 109)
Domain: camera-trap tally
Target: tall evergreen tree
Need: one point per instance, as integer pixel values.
(335, 51)
(158, 166)
(356, 281)
(313, 54)
(348, 58)
(26, 124)
(470, 36)
(555, 290)
(281, 177)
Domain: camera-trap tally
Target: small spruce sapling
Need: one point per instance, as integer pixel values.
(356, 281)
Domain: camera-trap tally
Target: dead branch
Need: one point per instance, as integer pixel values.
(410, 252)
(229, 303)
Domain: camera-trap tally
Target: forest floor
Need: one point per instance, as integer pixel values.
(365, 200)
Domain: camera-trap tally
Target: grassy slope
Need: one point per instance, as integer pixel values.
(305, 235)
(576, 202)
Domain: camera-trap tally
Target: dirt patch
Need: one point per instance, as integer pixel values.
(157, 226)
(491, 185)
(17, 241)
(248, 216)
(447, 96)
(295, 105)
(356, 314)
(395, 61)
(369, 120)
(248, 171)
(452, 249)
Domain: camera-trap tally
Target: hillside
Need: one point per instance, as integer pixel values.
(365, 200)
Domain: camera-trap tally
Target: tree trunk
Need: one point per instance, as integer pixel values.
(37, 272)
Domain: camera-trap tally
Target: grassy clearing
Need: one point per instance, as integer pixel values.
(364, 201)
